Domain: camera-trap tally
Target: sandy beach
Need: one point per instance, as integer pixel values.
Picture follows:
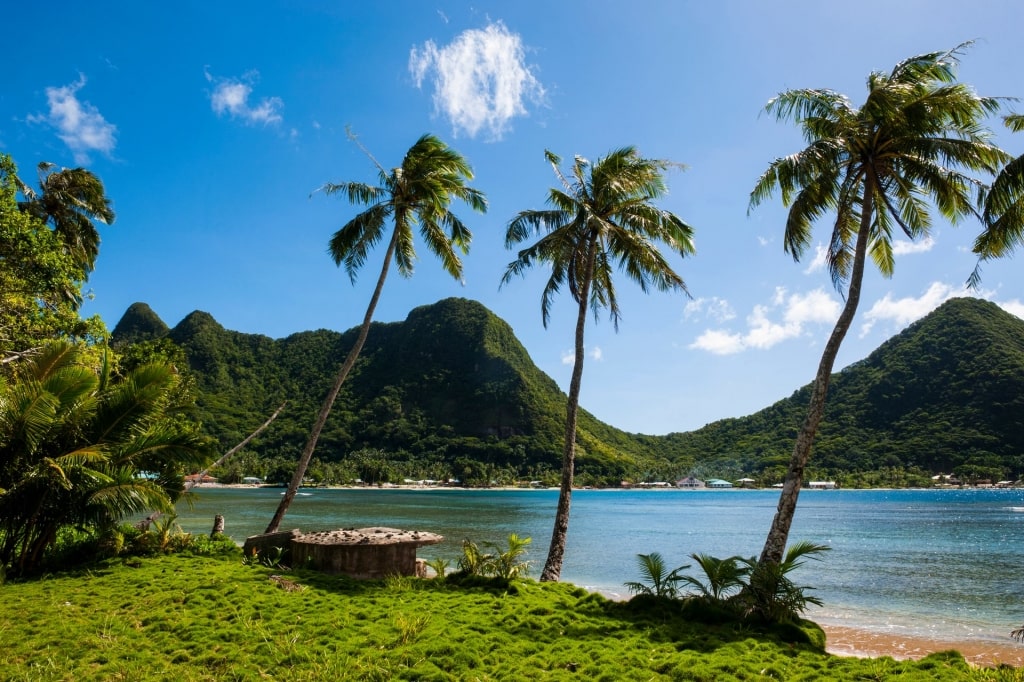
(846, 641)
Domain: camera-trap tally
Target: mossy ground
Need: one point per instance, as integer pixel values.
(213, 618)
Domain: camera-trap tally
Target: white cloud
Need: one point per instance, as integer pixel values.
(1014, 307)
(231, 96)
(596, 353)
(718, 342)
(818, 262)
(787, 317)
(715, 308)
(480, 79)
(901, 247)
(79, 124)
(568, 356)
(903, 311)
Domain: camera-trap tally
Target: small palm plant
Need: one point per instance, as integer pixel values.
(506, 564)
(658, 580)
(770, 595)
(473, 561)
(723, 577)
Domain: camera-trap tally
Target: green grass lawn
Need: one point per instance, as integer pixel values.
(213, 618)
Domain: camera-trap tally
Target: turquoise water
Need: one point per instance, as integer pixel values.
(943, 564)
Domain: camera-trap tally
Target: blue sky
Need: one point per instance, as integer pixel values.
(213, 123)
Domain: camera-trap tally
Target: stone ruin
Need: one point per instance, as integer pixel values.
(363, 553)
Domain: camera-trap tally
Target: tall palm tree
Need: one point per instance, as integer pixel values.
(70, 199)
(601, 217)
(916, 138)
(1003, 209)
(419, 191)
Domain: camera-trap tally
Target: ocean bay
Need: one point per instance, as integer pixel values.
(938, 564)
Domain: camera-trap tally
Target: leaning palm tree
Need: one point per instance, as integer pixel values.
(601, 217)
(918, 136)
(69, 200)
(419, 191)
(1003, 209)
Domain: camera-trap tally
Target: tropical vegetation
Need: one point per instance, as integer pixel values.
(943, 396)
(601, 217)
(210, 617)
(419, 192)
(42, 273)
(83, 448)
(918, 136)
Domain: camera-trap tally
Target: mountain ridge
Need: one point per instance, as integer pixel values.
(452, 382)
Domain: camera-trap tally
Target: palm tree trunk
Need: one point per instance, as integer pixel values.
(778, 534)
(556, 551)
(325, 409)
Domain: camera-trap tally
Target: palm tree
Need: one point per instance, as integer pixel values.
(601, 217)
(915, 138)
(1003, 209)
(73, 440)
(69, 200)
(419, 191)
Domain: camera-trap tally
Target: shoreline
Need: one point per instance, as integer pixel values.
(843, 640)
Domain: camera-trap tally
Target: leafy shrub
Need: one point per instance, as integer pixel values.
(502, 563)
(733, 588)
(658, 580)
(770, 595)
(723, 577)
(439, 566)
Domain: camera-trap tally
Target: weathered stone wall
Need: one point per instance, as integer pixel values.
(363, 562)
(265, 544)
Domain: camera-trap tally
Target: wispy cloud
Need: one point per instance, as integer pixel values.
(595, 354)
(902, 311)
(819, 260)
(231, 96)
(717, 309)
(78, 123)
(1014, 307)
(901, 247)
(788, 316)
(480, 80)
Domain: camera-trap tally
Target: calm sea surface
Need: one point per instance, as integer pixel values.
(943, 564)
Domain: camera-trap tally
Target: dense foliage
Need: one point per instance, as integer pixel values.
(80, 447)
(40, 278)
(946, 395)
(451, 392)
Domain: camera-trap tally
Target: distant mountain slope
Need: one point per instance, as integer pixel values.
(450, 381)
(948, 391)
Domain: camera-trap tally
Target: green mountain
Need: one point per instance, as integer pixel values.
(450, 382)
(452, 386)
(139, 323)
(945, 394)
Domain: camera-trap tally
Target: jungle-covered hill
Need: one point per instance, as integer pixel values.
(452, 383)
(449, 382)
(945, 394)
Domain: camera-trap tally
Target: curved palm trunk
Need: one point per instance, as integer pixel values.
(778, 534)
(556, 551)
(325, 409)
